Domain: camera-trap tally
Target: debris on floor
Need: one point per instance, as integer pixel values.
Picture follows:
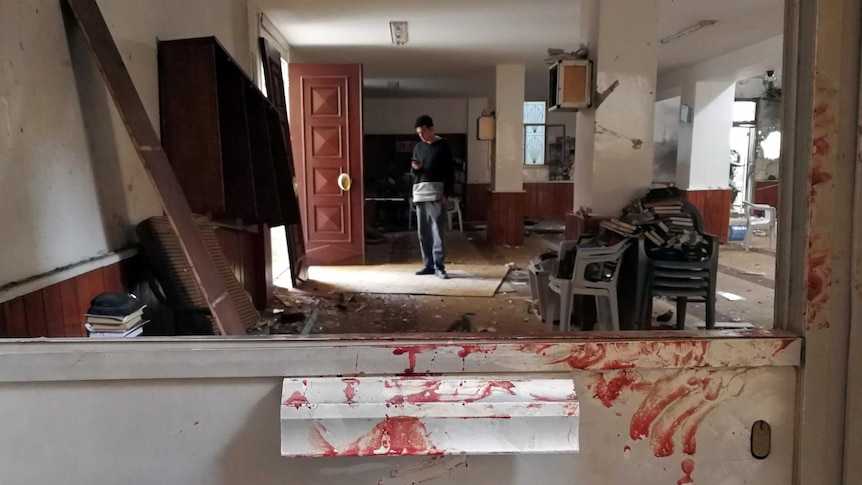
(512, 310)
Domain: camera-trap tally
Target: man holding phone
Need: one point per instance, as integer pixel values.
(433, 178)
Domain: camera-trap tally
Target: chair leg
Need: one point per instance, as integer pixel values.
(460, 220)
(681, 304)
(646, 313)
(601, 314)
(747, 239)
(552, 307)
(449, 216)
(565, 309)
(710, 306)
(772, 234)
(615, 310)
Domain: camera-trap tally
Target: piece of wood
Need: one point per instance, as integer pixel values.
(149, 148)
(283, 162)
(54, 311)
(73, 317)
(16, 318)
(34, 307)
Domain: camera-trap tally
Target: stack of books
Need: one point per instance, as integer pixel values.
(624, 229)
(115, 315)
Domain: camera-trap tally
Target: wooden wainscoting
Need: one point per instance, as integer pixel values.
(58, 310)
(549, 200)
(766, 192)
(478, 202)
(248, 250)
(714, 207)
(543, 200)
(506, 218)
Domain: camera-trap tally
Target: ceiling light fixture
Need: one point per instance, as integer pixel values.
(689, 30)
(398, 29)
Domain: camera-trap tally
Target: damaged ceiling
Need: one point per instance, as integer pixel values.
(455, 44)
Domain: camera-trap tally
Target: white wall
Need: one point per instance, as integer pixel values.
(71, 182)
(666, 139)
(391, 116)
(748, 62)
(207, 411)
(478, 152)
(567, 118)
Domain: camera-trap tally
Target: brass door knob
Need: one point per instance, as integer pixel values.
(344, 182)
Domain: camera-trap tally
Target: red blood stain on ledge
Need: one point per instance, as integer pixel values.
(350, 389)
(688, 469)
(401, 435)
(430, 392)
(411, 352)
(296, 400)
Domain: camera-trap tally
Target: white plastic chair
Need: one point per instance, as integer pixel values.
(412, 215)
(753, 221)
(455, 210)
(605, 290)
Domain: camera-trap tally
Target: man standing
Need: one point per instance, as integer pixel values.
(433, 178)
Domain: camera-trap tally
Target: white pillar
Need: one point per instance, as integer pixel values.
(703, 159)
(506, 210)
(614, 146)
(507, 174)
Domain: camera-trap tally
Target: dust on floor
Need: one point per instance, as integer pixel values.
(745, 280)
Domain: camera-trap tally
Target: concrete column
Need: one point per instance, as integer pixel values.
(614, 143)
(506, 210)
(507, 174)
(703, 159)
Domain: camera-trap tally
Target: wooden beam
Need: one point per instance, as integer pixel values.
(155, 161)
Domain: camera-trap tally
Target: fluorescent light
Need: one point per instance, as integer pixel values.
(398, 29)
(689, 30)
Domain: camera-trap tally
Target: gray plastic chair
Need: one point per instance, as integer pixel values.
(605, 289)
(679, 279)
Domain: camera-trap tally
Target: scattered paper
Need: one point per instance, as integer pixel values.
(730, 296)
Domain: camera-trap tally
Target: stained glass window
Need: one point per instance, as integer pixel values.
(534, 132)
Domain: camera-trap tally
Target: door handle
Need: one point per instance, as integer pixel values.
(344, 182)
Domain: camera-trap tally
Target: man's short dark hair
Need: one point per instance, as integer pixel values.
(425, 121)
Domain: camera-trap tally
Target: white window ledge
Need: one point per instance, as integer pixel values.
(367, 416)
(29, 360)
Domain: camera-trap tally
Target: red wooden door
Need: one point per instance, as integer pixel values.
(326, 113)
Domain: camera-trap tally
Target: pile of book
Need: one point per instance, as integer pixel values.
(115, 315)
(661, 218)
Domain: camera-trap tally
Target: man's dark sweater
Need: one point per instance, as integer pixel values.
(436, 178)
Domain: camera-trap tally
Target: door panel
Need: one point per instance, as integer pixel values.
(327, 142)
(285, 176)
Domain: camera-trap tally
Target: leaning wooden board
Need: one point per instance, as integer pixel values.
(156, 162)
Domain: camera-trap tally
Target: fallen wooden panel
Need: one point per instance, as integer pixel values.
(149, 148)
(367, 416)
